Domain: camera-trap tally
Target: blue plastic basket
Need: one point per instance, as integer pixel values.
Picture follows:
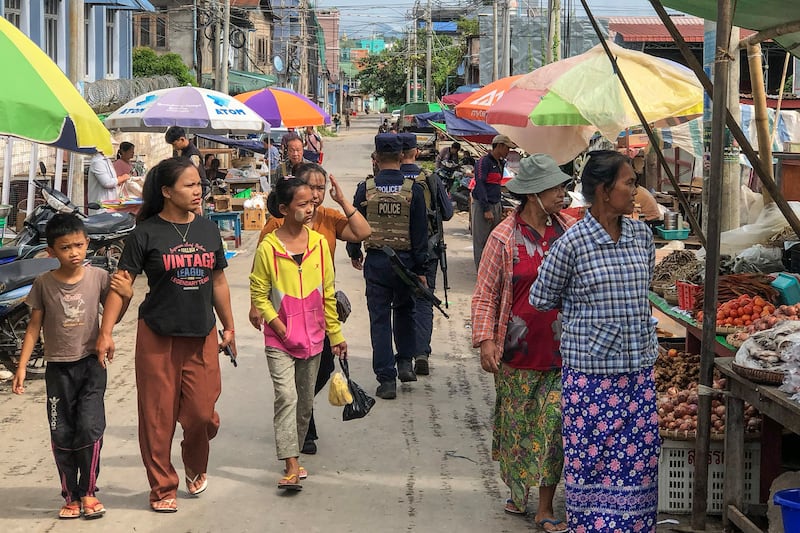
(672, 234)
(789, 500)
(789, 288)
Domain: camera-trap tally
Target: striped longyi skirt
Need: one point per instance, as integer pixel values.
(611, 449)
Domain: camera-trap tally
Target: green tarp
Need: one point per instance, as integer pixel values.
(751, 14)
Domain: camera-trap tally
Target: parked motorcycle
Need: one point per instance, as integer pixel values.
(16, 280)
(107, 231)
(456, 178)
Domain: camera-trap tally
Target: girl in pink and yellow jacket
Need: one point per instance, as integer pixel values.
(292, 287)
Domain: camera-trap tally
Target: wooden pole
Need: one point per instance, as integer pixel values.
(722, 63)
(780, 98)
(761, 115)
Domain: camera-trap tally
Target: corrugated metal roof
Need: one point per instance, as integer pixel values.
(651, 29)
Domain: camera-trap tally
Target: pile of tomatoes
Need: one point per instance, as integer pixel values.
(742, 311)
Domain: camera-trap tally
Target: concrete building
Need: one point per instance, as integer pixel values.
(328, 20)
(107, 32)
(190, 28)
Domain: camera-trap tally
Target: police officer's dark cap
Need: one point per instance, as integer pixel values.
(408, 140)
(386, 143)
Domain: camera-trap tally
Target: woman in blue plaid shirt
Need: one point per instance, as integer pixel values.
(599, 273)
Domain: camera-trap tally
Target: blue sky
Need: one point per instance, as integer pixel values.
(362, 17)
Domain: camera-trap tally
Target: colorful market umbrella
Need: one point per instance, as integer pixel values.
(475, 106)
(199, 110)
(38, 103)
(582, 94)
(277, 105)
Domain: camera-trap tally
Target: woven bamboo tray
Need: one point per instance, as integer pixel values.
(767, 377)
(659, 286)
(727, 330)
(671, 295)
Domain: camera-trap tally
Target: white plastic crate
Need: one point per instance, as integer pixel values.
(676, 474)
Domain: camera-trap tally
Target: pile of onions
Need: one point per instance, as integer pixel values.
(677, 411)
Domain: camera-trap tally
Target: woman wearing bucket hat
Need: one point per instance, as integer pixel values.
(520, 344)
(599, 274)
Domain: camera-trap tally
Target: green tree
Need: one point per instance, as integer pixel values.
(384, 74)
(147, 63)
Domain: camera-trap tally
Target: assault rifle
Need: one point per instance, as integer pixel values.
(439, 247)
(412, 280)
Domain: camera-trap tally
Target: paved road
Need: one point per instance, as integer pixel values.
(419, 463)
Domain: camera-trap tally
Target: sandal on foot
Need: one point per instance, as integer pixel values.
(192, 480)
(559, 526)
(291, 482)
(302, 473)
(511, 508)
(70, 510)
(92, 508)
(167, 505)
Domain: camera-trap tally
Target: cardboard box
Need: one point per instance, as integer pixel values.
(237, 204)
(222, 202)
(254, 218)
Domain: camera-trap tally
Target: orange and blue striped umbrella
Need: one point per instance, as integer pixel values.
(38, 103)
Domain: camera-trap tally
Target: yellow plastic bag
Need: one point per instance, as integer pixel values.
(339, 393)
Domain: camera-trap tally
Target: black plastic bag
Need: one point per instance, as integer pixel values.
(362, 402)
(343, 306)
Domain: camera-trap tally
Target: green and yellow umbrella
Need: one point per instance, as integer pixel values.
(38, 103)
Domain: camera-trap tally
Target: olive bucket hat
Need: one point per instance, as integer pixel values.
(537, 173)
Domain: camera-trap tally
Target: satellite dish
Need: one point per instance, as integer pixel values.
(277, 63)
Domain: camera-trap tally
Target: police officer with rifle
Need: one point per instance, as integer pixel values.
(395, 210)
(438, 208)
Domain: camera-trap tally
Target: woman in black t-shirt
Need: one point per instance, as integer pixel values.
(177, 351)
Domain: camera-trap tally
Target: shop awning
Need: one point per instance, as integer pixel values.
(134, 5)
(241, 82)
(751, 14)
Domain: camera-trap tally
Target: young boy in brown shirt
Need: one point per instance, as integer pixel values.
(65, 303)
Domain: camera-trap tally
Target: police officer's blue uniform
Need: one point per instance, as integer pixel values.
(423, 309)
(389, 301)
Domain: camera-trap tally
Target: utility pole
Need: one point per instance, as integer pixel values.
(76, 73)
(553, 52)
(429, 55)
(506, 38)
(341, 92)
(414, 83)
(408, 69)
(495, 41)
(226, 46)
(215, 51)
(303, 82)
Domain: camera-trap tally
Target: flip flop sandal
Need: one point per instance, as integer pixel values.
(559, 526)
(512, 509)
(290, 483)
(167, 505)
(303, 474)
(70, 511)
(92, 508)
(191, 481)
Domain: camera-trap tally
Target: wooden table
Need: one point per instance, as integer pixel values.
(778, 411)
